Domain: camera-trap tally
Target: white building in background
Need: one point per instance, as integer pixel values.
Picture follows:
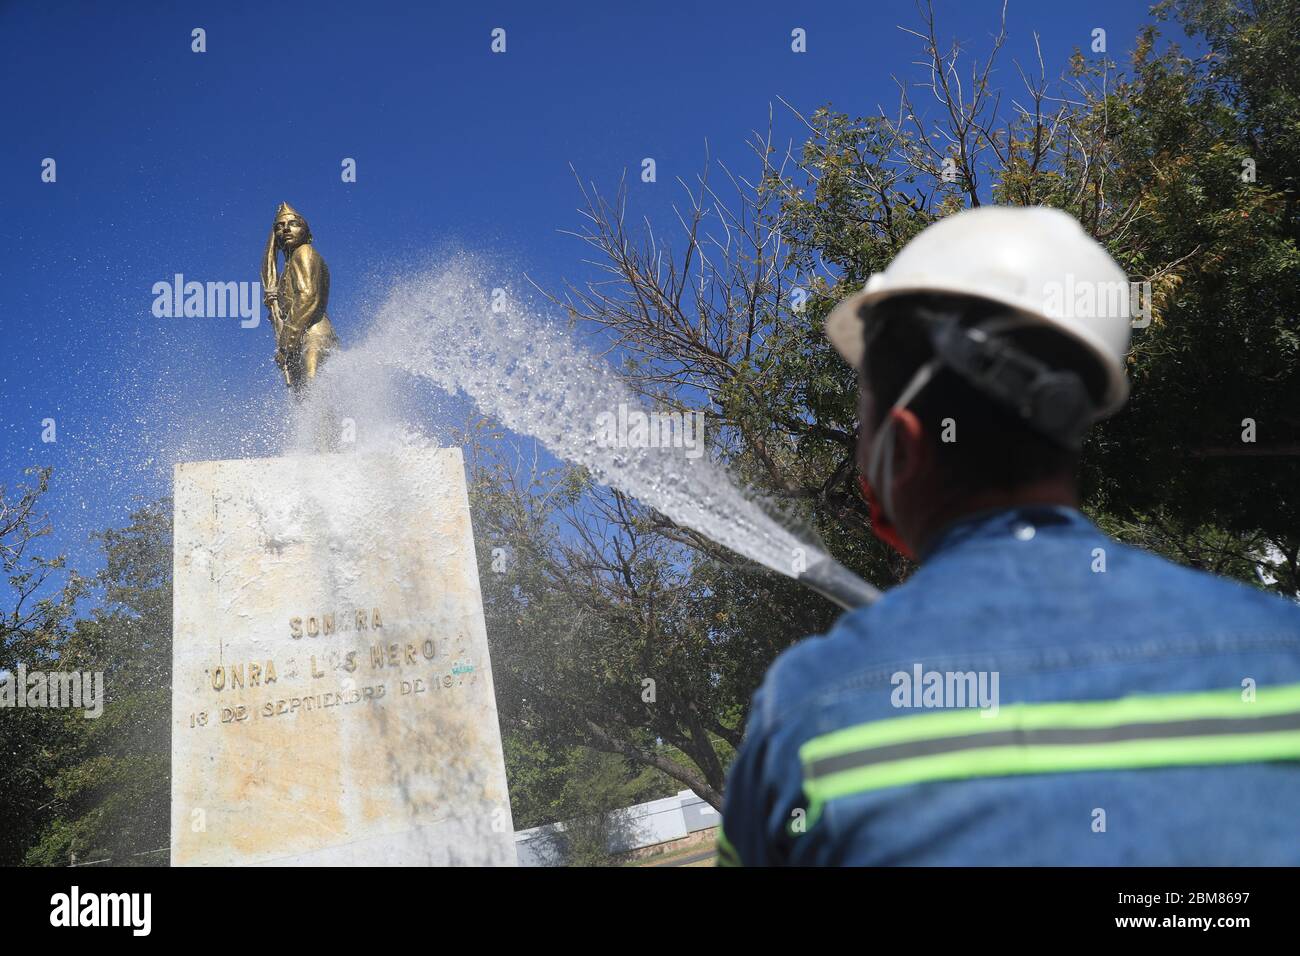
(642, 825)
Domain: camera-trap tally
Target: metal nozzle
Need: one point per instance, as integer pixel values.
(837, 583)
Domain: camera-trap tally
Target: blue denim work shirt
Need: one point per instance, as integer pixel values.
(1035, 694)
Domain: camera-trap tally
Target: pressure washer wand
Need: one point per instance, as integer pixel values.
(837, 583)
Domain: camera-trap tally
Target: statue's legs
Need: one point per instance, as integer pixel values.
(303, 364)
(312, 357)
(317, 344)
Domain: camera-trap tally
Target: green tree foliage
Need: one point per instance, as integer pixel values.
(32, 627)
(594, 622)
(1206, 157)
(94, 789)
(112, 789)
(582, 789)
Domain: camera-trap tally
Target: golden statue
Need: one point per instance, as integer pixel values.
(296, 299)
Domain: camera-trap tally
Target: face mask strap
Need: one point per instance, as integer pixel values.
(880, 463)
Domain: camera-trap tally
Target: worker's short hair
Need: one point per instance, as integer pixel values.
(994, 447)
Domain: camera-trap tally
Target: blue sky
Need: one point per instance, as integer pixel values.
(173, 161)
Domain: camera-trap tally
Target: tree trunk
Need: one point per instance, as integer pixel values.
(602, 740)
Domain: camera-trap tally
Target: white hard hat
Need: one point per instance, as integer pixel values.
(1037, 261)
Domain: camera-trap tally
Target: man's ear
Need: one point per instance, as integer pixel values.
(912, 452)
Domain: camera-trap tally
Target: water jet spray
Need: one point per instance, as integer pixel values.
(446, 327)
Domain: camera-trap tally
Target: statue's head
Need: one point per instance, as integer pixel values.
(291, 230)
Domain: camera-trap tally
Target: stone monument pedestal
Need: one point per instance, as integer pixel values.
(332, 698)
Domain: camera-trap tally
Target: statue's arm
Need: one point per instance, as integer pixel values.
(308, 280)
(269, 280)
(268, 263)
